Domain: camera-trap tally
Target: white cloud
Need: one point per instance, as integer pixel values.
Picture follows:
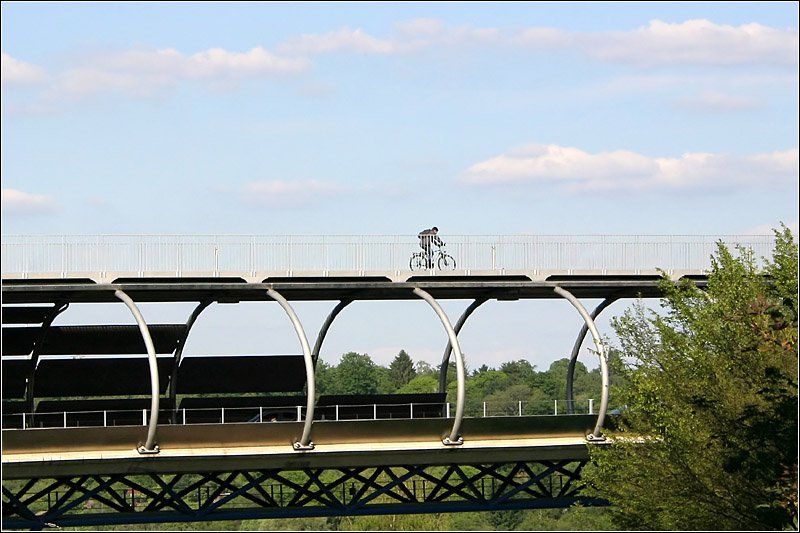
(144, 72)
(343, 39)
(694, 42)
(16, 71)
(16, 202)
(283, 192)
(407, 36)
(577, 170)
(717, 101)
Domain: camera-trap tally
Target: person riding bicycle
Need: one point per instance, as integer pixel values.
(427, 238)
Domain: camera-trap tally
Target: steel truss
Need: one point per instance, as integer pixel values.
(282, 493)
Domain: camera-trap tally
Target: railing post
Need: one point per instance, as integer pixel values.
(337, 412)
(411, 410)
(374, 411)
(105, 419)
(484, 409)
(591, 402)
(555, 407)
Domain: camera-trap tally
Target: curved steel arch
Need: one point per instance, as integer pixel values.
(173, 382)
(455, 437)
(597, 434)
(304, 443)
(449, 348)
(577, 346)
(323, 331)
(38, 346)
(150, 445)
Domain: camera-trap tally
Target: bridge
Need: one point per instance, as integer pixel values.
(111, 423)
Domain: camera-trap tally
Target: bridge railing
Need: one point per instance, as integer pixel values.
(290, 413)
(189, 255)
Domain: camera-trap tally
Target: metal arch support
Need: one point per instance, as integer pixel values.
(597, 434)
(58, 308)
(173, 382)
(449, 348)
(455, 437)
(150, 445)
(576, 348)
(304, 443)
(323, 331)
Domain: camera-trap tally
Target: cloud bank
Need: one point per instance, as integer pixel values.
(16, 202)
(573, 169)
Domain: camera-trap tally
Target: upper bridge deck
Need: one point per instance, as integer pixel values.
(257, 258)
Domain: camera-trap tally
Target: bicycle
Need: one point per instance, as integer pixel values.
(440, 258)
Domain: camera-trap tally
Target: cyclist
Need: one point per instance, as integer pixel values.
(427, 238)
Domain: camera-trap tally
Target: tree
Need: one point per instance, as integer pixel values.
(401, 370)
(355, 374)
(520, 372)
(708, 439)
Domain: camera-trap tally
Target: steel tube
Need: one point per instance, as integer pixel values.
(449, 348)
(576, 348)
(150, 445)
(323, 331)
(455, 437)
(304, 443)
(597, 434)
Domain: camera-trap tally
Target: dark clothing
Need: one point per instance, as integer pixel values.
(428, 238)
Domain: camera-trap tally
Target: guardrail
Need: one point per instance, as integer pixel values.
(291, 413)
(215, 255)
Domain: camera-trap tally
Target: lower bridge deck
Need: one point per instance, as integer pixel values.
(354, 443)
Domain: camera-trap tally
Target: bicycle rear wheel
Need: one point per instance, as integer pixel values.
(446, 262)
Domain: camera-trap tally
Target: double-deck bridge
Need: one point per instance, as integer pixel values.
(111, 423)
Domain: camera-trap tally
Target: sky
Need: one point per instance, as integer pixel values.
(385, 118)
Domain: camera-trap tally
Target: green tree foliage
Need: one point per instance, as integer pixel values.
(708, 438)
(355, 374)
(401, 370)
(520, 372)
(420, 385)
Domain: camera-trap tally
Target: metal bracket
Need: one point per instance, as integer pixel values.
(592, 438)
(303, 447)
(144, 451)
(448, 442)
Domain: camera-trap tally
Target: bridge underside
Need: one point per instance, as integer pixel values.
(208, 472)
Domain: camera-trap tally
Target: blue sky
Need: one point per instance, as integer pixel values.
(387, 118)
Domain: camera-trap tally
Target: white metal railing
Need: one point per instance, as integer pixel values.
(214, 255)
(292, 413)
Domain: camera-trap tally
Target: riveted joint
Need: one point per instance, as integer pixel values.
(299, 446)
(447, 441)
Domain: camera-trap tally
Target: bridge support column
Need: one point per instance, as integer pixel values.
(323, 331)
(454, 438)
(305, 441)
(150, 445)
(449, 348)
(597, 434)
(576, 348)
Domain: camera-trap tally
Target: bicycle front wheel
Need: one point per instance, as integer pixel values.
(446, 262)
(417, 262)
